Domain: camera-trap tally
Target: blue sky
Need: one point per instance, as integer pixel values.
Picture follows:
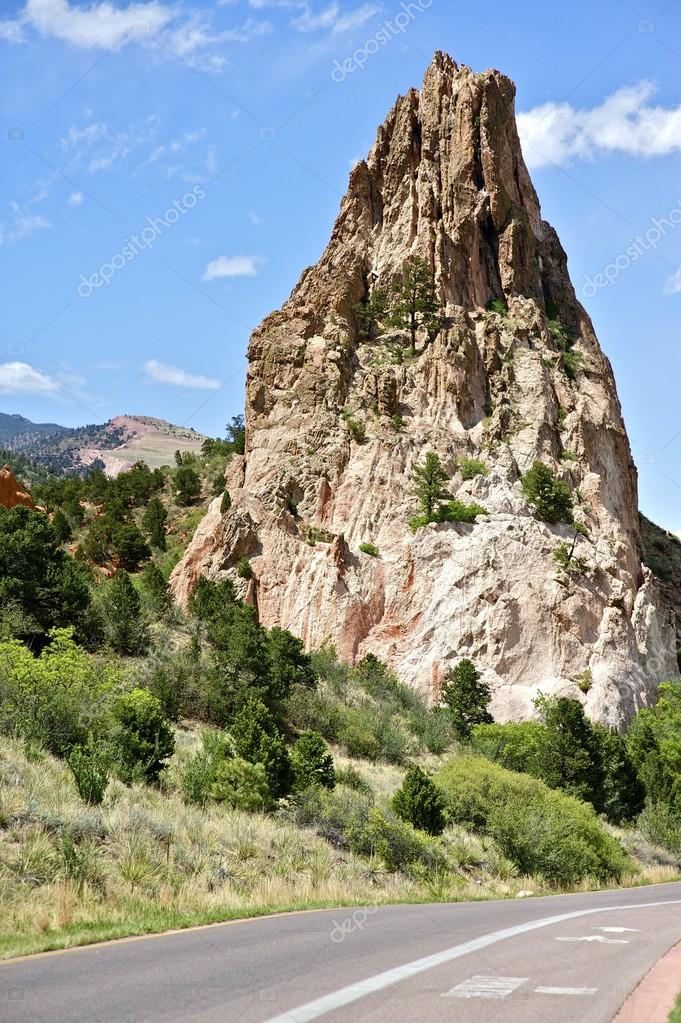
(243, 118)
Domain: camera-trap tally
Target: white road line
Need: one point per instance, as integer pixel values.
(380, 981)
(618, 930)
(565, 990)
(486, 987)
(597, 938)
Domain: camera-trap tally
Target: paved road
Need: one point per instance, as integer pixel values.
(550, 960)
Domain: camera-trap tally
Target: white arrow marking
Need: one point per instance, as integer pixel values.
(485, 987)
(618, 930)
(565, 990)
(599, 938)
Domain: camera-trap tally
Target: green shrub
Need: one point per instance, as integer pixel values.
(225, 503)
(472, 467)
(144, 739)
(517, 746)
(452, 511)
(566, 559)
(90, 768)
(661, 823)
(541, 831)
(196, 778)
(351, 777)
(357, 738)
(550, 497)
(399, 844)
(312, 763)
(243, 568)
(420, 802)
(308, 709)
(369, 548)
(356, 429)
(339, 815)
(498, 306)
(240, 785)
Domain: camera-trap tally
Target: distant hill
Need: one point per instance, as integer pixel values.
(113, 446)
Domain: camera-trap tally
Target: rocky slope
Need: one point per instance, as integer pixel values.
(446, 181)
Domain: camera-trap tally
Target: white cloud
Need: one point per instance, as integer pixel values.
(353, 19)
(87, 135)
(555, 133)
(673, 283)
(20, 378)
(99, 26)
(164, 374)
(106, 25)
(75, 199)
(232, 266)
(23, 224)
(308, 19)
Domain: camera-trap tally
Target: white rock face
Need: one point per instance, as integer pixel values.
(445, 180)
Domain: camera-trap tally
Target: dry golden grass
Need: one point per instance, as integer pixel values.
(145, 861)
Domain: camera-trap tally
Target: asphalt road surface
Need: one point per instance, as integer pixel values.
(550, 960)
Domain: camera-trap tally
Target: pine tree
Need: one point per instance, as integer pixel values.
(61, 527)
(154, 523)
(187, 485)
(420, 802)
(428, 485)
(370, 314)
(121, 608)
(415, 303)
(467, 696)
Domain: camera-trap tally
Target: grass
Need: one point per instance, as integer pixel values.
(145, 862)
(675, 1014)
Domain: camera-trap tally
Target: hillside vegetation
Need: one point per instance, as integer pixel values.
(160, 768)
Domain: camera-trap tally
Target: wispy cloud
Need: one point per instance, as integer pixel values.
(626, 122)
(308, 18)
(21, 378)
(161, 373)
(232, 266)
(673, 283)
(75, 199)
(106, 26)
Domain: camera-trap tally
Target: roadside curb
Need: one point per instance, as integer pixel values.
(656, 995)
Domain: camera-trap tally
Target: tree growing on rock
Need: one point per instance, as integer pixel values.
(415, 305)
(550, 497)
(429, 480)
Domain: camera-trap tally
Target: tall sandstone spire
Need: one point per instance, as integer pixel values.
(445, 181)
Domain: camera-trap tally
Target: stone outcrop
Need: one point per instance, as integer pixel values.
(335, 427)
(11, 492)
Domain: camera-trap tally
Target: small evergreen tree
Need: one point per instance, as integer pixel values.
(415, 304)
(466, 695)
(551, 497)
(570, 758)
(370, 314)
(90, 767)
(225, 503)
(429, 480)
(129, 546)
(187, 485)
(124, 627)
(420, 802)
(258, 740)
(156, 589)
(312, 763)
(61, 527)
(154, 523)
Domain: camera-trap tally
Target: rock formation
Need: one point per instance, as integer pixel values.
(11, 492)
(335, 426)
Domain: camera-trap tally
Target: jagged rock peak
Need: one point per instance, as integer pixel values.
(336, 423)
